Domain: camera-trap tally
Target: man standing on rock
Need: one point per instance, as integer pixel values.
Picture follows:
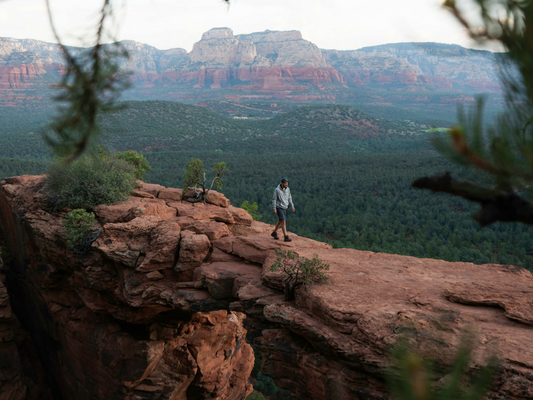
(280, 202)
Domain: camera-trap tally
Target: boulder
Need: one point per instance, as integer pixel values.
(193, 248)
(241, 216)
(155, 276)
(140, 193)
(124, 242)
(161, 252)
(196, 211)
(201, 212)
(218, 199)
(132, 208)
(171, 194)
(150, 188)
(219, 255)
(219, 214)
(213, 230)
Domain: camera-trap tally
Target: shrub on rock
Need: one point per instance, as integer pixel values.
(89, 182)
(299, 272)
(81, 232)
(139, 162)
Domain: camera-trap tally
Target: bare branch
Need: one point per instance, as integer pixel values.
(496, 204)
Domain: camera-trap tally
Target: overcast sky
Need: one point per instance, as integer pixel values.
(165, 24)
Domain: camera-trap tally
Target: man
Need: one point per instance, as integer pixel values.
(280, 202)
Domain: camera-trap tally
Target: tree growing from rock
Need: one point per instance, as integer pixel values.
(299, 271)
(195, 179)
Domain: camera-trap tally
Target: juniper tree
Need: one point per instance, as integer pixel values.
(195, 178)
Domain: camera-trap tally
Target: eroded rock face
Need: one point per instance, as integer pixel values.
(156, 308)
(11, 384)
(117, 317)
(269, 64)
(17, 355)
(372, 297)
(416, 64)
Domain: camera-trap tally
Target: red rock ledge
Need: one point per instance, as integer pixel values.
(156, 309)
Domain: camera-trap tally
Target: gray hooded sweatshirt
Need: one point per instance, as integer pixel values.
(282, 198)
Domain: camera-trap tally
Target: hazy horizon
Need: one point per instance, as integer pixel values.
(167, 24)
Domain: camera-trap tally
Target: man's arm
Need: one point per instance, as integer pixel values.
(274, 199)
(290, 201)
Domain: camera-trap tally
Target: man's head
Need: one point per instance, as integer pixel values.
(284, 182)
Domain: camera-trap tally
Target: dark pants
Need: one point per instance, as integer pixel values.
(282, 216)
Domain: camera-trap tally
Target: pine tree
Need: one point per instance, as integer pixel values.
(505, 150)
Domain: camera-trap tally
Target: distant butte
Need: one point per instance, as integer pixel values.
(270, 63)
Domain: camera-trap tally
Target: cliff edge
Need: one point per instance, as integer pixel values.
(160, 306)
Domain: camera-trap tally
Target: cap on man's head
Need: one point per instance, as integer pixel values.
(283, 180)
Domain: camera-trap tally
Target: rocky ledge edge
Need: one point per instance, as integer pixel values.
(160, 306)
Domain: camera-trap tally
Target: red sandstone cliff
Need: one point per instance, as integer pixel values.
(156, 308)
(110, 325)
(263, 63)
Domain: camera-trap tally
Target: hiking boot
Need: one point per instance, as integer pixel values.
(287, 239)
(274, 235)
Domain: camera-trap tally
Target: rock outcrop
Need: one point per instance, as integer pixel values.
(269, 63)
(118, 322)
(157, 307)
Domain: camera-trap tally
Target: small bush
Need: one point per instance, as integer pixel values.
(80, 229)
(89, 182)
(299, 272)
(139, 162)
(251, 208)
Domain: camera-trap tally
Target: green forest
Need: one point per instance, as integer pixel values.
(351, 182)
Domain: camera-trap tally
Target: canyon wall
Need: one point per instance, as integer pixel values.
(418, 65)
(261, 63)
(160, 305)
(108, 324)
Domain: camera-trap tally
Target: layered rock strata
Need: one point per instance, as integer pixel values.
(156, 308)
(417, 65)
(269, 63)
(117, 322)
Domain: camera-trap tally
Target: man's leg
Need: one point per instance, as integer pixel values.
(284, 227)
(275, 233)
